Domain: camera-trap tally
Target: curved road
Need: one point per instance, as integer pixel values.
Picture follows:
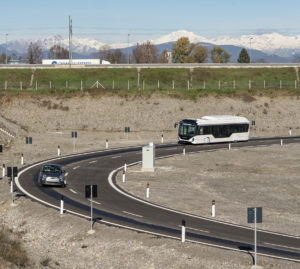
(114, 206)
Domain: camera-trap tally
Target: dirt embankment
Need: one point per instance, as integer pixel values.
(62, 242)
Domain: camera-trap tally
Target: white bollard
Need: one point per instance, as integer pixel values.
(229, 146)
(213, 208)
(58, 150)
(290, 131)
(281, 142)
(183, 231)
(3, 170)
(162, 138)
(148, 191)
(123, 176)
(125, 166)
(183, 150)
(106, 143)
(22, 159)
(62, 205)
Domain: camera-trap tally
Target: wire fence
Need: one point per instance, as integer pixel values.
(150, 85)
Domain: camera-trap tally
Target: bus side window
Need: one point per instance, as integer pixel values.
(199, 130)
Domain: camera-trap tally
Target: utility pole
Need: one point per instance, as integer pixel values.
(70, 40)
(128, 49)
(6, 48)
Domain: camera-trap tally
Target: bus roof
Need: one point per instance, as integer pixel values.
(220, 119)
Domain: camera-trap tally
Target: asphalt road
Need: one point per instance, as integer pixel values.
(117, 208)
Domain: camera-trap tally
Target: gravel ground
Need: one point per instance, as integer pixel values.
(63, 242)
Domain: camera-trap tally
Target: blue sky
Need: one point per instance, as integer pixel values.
(111, 20)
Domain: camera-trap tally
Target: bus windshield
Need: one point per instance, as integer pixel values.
(187, 130)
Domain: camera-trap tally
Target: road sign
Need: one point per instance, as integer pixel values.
(74, 134)
(88, 191)
(253, 123)
(251, 215)
(28, 140)
(12, 171)
(0, 148)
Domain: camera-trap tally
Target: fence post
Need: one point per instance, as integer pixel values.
(219, 84)
(295, 84)
(234, 84)
(5, 85)
(50, 84)
(128, 85)
(203, 84)
(66, 84)
(158, 84)
(188, 85)
(81, 87)
(36, 86)
(280, 84)
(173, 84)
(143, 84)
(264, 84)
(21, 85)
(249, 84)
(113, 84)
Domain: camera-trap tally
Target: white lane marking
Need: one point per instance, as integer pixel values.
(93, 162)
(95, 202)
(76, 167)
(71, 190)
(115, 157)
(66, 174)
(132, 214)
(194, 229)
(281, 246)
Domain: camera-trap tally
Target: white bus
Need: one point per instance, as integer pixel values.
(213, 129)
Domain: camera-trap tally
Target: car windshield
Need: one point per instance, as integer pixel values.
(51, 169)
(187, 130)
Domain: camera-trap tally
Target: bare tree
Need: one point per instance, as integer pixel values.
(34, 53)
(58, 52)
(145, 53)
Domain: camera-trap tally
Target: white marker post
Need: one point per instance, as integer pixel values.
(3, 170)
(62, 205)
(162, 138)
(91, 231)
(255, 237)
(58, 150)
(281, 142)
(290, 131)
(183, 150)
(106, 143)
(12, 187)
(22, 159)
(148, 191)
(183, 231)
(213, 208)
(229, 146)
(125, 166)
(123, 176)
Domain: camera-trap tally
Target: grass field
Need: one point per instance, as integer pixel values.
(125, 81)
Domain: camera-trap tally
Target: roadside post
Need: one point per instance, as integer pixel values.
(106, 143)
(58, 150)
(3, 170)
(229, 146)
(148, 191)
(28, 142)
(290, 131)
(253, 125)
(183, 231)
(255, 216)
(213, 208)
(62, 205)
(162, 138)
(12, 172)
(125, 166)
(281, 142)
(183, 150)
(74, 136)
(123, 176)
(91, 192)
(22, 159)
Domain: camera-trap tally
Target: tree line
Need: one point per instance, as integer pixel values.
(183, 51)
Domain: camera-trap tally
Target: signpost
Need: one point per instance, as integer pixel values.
(28, 142)
(74, 136)
(12, 172)
(91, 192)
(255, 216)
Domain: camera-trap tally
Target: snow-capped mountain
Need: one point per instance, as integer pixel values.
(272, 44)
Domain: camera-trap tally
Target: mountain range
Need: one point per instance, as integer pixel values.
(272, 47)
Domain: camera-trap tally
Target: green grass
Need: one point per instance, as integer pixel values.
(115, 81)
